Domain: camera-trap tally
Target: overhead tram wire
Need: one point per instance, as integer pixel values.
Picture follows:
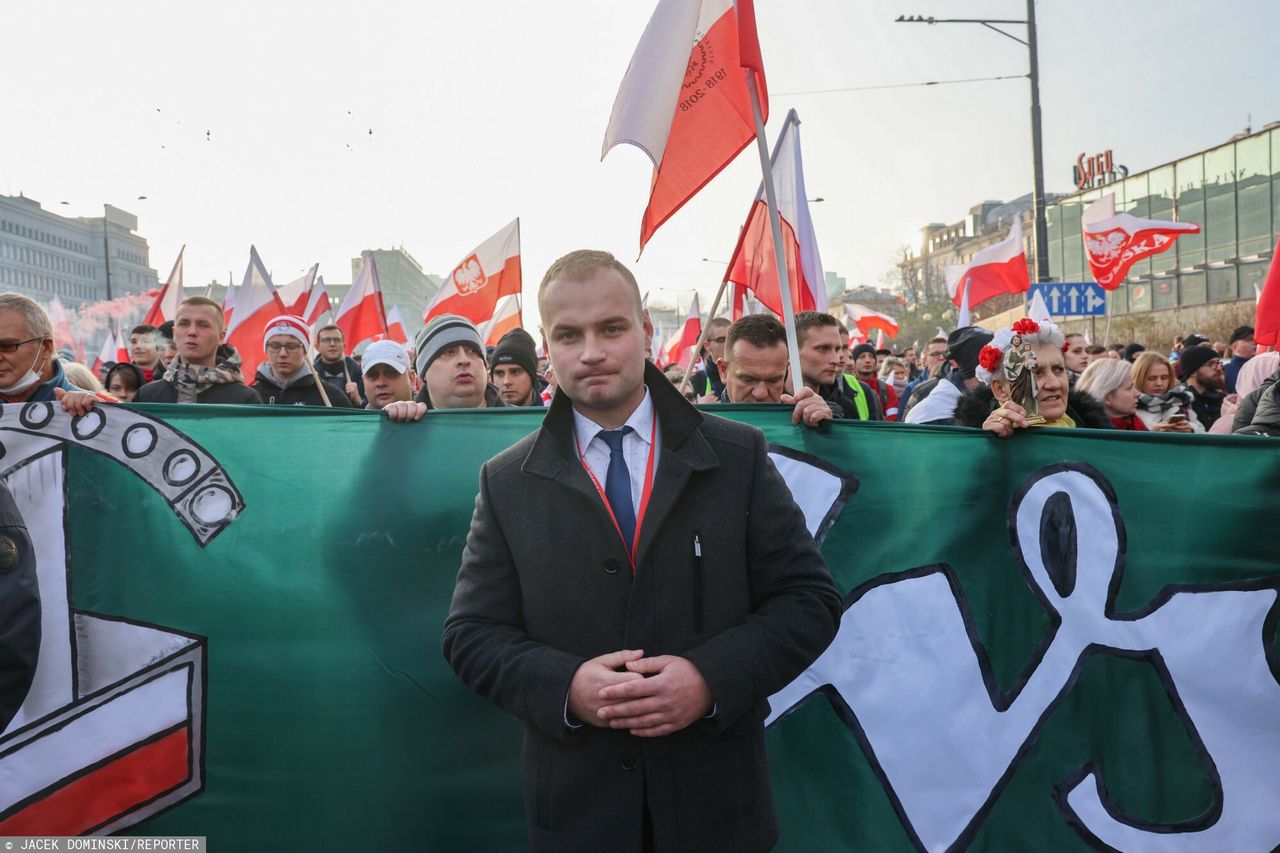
(899, 85)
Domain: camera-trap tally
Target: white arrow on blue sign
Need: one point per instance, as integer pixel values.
(1071, 298)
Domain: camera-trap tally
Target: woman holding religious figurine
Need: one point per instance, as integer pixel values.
(1024, 383)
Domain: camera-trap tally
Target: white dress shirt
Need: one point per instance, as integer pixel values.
(635, 446)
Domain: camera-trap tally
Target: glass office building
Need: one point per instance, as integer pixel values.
(1232, 191)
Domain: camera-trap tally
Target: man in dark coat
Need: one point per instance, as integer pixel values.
(334, 366)
(285, 378)
(639, 660)
(205, 370)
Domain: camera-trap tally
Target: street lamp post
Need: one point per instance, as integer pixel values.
(1041, 241)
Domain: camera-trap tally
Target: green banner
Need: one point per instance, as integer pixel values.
(1053, 642)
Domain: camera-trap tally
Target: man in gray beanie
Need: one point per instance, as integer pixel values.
(450, 360)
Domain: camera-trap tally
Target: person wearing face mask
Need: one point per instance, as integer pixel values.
(29, 373)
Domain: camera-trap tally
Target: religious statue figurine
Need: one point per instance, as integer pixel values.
(1020, 372)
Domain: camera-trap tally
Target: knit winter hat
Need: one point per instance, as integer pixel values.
(1195, 358)
(442, 333)
(514, 350)
(286, 324)
(861, 349)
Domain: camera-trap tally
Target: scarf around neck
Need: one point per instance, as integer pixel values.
(1173, 399)
(192, 380)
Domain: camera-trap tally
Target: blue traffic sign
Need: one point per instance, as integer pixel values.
(1071, 298)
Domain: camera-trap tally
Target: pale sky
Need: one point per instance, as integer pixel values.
(485, 110)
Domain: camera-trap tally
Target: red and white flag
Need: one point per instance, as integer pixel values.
(754, 265)
(866, 320)
(679, 347)
(295, 295)
(166, 305)
(999, 268)
(687, 107)
(255, 305)
(362, 314)
(486, 275)
(1114, 242)
(62, 336)
(395, 326)
(508, 316)
(655, 345)
(122, 349)
(318, 303)
(107, 353)
(1266, 324)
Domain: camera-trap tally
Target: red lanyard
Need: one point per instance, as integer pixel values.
(645, 492)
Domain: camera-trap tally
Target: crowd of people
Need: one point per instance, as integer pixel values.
(1128, 387)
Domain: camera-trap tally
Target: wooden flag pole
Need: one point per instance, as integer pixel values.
(775, 226)
(702, 338)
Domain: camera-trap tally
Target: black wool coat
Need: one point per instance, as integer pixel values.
(545, 584)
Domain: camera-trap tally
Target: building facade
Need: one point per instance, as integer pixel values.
(1232, 191)
(80, 260)
(403, 283)
(922, 268)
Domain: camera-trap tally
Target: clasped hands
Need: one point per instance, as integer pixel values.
(649, 696)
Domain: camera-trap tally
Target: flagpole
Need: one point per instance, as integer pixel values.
(702, 338)
(775, 226)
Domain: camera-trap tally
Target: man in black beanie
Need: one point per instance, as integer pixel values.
(934, 402)
(514, 371)
(1201, 370)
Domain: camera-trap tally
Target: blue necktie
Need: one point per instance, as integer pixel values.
(617, 484)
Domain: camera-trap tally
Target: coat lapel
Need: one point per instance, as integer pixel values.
(684, 451)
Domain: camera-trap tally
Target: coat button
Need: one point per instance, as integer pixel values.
(8, 554)
(612, 564)
(627, 762)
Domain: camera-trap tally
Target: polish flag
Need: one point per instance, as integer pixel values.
(109, 352)
(508, 316)
(296, 295)
(486, 275)
(362, 314)
(688, 109)
(62, 335)
(999, 268)
(1266, 324)
(395, 326)
(1114, 242)
(122, 349)
(679, 347)
(255, 306)
(166, 305)
(754, 266)
(866, 320)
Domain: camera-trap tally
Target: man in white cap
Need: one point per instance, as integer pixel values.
(285, 378)
(388, 377)
(452, 366)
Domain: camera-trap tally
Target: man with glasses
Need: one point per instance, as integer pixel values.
(1201, 371)
(706, 381)
(29, 372)
(334, 366)
(285, 378)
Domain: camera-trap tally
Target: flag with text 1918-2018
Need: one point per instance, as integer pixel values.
(1061, 641)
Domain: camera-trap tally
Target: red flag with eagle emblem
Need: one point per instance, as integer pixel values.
(489, 273)
(1114, 242)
